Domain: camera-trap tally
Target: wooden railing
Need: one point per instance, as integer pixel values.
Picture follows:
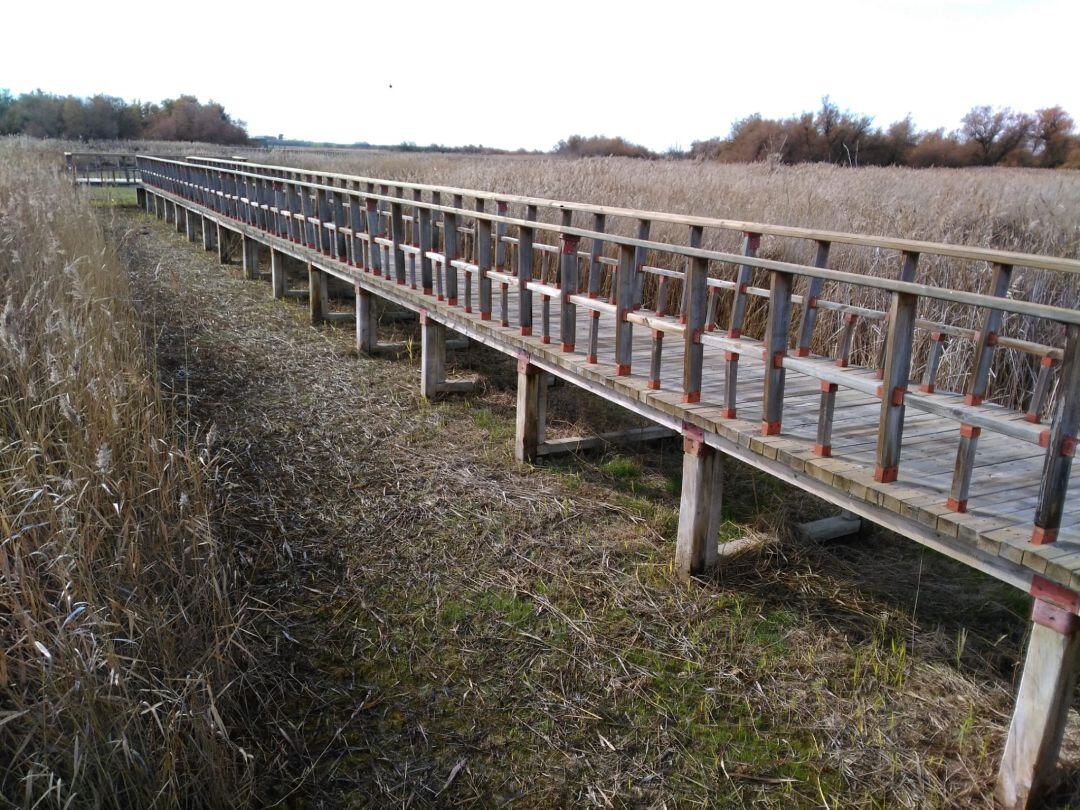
(470, 256)
(102, 168)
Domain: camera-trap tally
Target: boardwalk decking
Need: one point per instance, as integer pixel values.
(980, 482)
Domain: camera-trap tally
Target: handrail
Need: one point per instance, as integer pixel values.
(992, 255)
(1054, 313)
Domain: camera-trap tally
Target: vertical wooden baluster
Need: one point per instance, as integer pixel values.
(625, 298)
(751, 242)
(655, 358)
(500, 265)
(640, 259)
(977, 387)
(483, 291)
(696, 285)
(483, 262)
(933, 362)
(569, 286)
(823, 445)
(1060, 441)
(1042, 388)
(397, 238)
(451, 249)
(810, 307)
(525, 273)
(895, 379)
(424, 216)
(309, 226)
(777, 328)
(324, 215)
(356, 225)
(341, 248)
(374, 230)
(596, 248)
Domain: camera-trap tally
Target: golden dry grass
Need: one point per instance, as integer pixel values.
(119, 644)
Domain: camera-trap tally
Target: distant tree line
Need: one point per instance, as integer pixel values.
(987, 136)
(106, 118)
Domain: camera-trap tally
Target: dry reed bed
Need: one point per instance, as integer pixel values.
(1033, 211)
(118, 637)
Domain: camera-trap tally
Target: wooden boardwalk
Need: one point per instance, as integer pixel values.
(983, 483)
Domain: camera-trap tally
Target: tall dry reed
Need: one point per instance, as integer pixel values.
(119, 646)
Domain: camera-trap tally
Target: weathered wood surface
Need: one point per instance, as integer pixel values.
(617, 357)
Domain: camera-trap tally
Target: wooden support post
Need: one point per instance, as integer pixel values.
(896, 373)
(223, 245)
(531, 410)
(250, 249)
(316, 294)
(277, 273)
(140, 198)
(695, 302)
(1061, 444)
(776, 346)
(367, 321)
(699, 505)
(191, 224)
(1042, 703)
(208, 233)
(432, 356)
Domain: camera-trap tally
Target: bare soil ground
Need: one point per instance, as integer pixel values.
(438, 626)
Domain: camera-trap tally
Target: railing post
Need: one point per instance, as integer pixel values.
(1042, 389)
(568, 283)
(397, 238)
(695, 298)
(423, 229)
(374, 230)
(450, 255)
(1061, 443)
(596, 248)
(500, 264)
(483, 263)
(751, 241)
(524, 274)
(810, 305)
(896, 374)
(640, 255)
(776, 345)
(624, 303)
(977, 388)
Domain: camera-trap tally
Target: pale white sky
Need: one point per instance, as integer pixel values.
(512, 75)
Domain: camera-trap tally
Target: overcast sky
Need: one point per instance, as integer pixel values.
(512, 74)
